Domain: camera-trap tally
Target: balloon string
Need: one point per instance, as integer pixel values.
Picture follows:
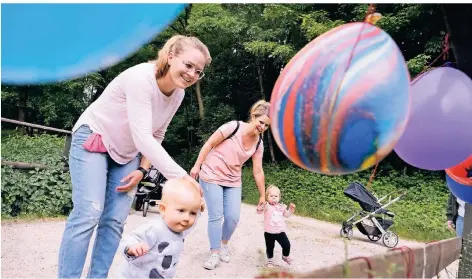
(372, 175)
(409, 260)
(444, 54)
(369, 265)
(370, 9)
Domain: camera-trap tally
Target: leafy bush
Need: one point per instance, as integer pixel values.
(38, 192)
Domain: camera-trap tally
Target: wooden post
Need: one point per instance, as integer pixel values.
(465, 265)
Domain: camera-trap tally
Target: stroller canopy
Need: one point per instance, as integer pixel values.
(357, 192)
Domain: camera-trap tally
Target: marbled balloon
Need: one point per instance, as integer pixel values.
(342, 102)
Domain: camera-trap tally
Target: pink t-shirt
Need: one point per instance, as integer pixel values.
(132, 115)
(274, 218)
(223, 164)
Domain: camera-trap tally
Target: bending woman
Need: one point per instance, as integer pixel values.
(219, 169)
(128, 119)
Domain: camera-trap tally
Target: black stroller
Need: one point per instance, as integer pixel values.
(374, 220)
(149, 191)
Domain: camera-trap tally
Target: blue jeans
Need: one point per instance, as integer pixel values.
(222, 202)
(95, 177)
(459, 226)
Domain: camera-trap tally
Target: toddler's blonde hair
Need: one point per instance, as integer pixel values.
(270, 187)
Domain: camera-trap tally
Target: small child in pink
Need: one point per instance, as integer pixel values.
(274, 224)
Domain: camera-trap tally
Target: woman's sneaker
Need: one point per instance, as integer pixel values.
(224, 254)
(212, 262)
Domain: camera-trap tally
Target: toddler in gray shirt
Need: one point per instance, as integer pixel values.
(153, 250)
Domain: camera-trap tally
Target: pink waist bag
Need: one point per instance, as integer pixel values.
(94, 143)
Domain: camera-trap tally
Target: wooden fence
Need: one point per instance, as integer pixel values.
(403, 262)
(31, 166)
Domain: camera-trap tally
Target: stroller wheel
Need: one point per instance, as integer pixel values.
(374, 238)
(350, 233)
(346, 232)
(390, 239)
(138, 203)
(145, 208)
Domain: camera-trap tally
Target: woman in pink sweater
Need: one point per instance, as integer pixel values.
(114, 143)
(219, 169)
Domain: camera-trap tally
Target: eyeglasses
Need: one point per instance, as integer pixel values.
(191, 68)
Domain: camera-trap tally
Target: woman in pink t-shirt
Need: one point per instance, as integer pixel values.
(128, 119)
(219, 170)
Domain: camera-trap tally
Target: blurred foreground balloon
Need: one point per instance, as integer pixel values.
(439, 131)
(341, 103)
(53, 42)
(459, 180)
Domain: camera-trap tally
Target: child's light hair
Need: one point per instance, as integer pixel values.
(270, 187)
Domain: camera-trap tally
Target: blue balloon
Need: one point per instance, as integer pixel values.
(54, 42)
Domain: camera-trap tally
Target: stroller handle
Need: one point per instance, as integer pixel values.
(403, 193)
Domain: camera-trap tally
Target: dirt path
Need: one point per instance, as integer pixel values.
(31, 249)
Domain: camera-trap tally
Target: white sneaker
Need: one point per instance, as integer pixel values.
(212, 262)
(224, 254)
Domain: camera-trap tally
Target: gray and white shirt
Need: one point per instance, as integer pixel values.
(165, 247)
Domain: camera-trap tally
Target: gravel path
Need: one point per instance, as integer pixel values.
(30, 249)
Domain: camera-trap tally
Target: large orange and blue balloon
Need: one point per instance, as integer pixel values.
(342, 102)
(459, 180)
(54, 42)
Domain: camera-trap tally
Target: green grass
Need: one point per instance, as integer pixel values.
(29, 217)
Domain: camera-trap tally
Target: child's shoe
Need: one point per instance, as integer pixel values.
(287, 259)
(270, 263)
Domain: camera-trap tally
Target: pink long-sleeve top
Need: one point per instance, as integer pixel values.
(132, 116)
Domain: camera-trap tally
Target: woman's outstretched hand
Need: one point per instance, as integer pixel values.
(261, 201)
(133, 179)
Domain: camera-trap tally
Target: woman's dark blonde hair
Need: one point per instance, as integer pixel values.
(260, 108)
(176, 45)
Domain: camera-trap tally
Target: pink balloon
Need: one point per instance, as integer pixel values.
(439, 130)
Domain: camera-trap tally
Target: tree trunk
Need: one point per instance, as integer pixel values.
(198, 93)
(465, 265)
(23, 97)
(261, 85)
(458, 19)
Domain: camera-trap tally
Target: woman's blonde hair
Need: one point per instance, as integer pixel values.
(260, 108)
(270, 187)
(176, 45)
